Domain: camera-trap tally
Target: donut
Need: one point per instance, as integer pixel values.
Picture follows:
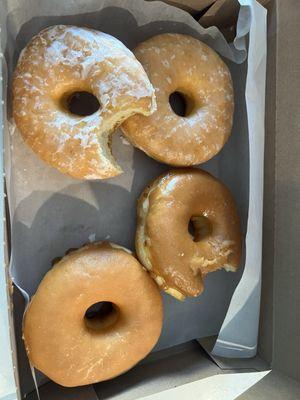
(178, 259)
(74, 347)
(60, 63)
(181, 65)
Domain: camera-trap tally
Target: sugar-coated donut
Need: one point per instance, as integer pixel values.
(63, 60)
(73, 350)
(180, 63)
(177, 259)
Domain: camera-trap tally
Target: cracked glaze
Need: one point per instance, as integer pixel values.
(176, 62)
(61, 60)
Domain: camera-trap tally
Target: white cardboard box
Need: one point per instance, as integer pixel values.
(186, 372)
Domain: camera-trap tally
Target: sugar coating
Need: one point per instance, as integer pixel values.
(62, 60)
(180, 63)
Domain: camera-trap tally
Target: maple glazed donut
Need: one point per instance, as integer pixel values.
(181, 65)
(177, 259)
(74, 347)
(66, 61)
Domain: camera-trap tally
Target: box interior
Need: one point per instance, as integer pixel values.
(280, 318)
(54, 201)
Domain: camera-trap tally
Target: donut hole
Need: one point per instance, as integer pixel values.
(199, 227)
(181, 104)
(80, 103)
(101, 315)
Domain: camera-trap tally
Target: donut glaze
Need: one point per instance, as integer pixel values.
(58, 339)
(176, 260)
(62, 60)
(180, 63)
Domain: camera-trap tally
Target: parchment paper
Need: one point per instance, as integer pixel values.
(51, 213)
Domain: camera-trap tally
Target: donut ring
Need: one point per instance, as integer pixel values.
(72, 352)
(63, 60)
(180, 63)
(177, 261)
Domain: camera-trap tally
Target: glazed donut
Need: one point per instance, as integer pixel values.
(178, 63)
(70, 347)
(56, 64)
(177, 259)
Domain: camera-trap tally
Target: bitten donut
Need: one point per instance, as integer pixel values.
(180, 64)
(66, 61)
(76, 348)
(177, 259)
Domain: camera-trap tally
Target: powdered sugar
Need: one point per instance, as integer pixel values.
(55, 62)
(188, 66)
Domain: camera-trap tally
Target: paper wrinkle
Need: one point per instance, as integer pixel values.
(238, 334)
(51, 213)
